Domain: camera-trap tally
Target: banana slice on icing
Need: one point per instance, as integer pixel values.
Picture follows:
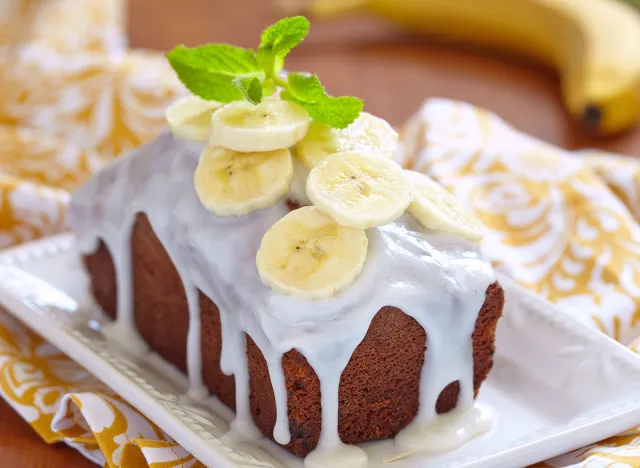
(358, 190)
(368, 134)
(436, 208)
(190, 117)
(273, 124)
(229, 183)
(307, 254)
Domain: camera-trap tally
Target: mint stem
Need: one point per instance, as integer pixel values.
(279, 81)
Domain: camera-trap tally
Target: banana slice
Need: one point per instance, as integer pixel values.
(307, 254)
(272, 124)
(235, 184)
(368, 134)
(359, 191)
(190, 117)
(436, 208)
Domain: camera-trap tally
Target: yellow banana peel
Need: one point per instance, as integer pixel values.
(594, 44)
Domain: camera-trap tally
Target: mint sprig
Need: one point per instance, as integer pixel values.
(225, 73)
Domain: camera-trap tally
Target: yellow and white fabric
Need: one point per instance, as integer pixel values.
(566, 226)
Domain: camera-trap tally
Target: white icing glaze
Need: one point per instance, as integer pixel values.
(281, 432)
(437, 279)
(446, 432)
(197, 388)
(338, 456)
(242, 426)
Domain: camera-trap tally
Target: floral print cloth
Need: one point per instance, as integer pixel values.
(72, 97)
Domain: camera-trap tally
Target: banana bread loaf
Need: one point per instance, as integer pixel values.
(403, 330)
(379, 388)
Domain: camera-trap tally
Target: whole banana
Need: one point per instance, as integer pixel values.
(594, 44)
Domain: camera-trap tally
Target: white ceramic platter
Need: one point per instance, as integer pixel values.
(556, 385)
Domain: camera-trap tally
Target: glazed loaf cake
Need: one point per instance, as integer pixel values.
(157, 263)
(379, 388)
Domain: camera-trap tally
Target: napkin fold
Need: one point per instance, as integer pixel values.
(72, 97)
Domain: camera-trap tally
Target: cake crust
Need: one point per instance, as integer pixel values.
(161, 313)
(379, 388)
(102, 274)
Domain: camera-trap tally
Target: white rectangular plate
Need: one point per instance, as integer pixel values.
(556, 385)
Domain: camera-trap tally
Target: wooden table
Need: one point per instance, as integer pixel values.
(364, 57)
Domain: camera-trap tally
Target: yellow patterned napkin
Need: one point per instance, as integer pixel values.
(566, 226)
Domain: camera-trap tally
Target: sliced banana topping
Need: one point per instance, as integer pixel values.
(229, 183)
(307, 254)
(436, 208)
(368, 134)
(273, 124)
(358, 190)
(190, 117)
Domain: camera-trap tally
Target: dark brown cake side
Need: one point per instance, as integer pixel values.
(103, 279)
(379, 388)
(221, 385)
(159, 301)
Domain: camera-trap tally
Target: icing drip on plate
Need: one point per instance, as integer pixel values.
(437, 279)
(446, 432)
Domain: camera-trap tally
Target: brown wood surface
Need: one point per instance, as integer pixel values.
(21, 447)
(393, 72)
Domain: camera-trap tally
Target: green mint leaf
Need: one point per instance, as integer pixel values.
(251, 89)
(339, 112)
(307, 91)
(221, 58)
(284, 35)
(278, 40)
(255, 91)
(207, 85)
(209, 71)
(306, 87)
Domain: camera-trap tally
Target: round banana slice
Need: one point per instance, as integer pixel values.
(307, 254)
(368, 134)
(272, 124)
(359, 191)
(190, 117)
(229, 183)
(436, 208)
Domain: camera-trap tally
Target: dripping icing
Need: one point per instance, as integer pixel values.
(123, 330)
(438, 280)
(281, 432)
(447, 432)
